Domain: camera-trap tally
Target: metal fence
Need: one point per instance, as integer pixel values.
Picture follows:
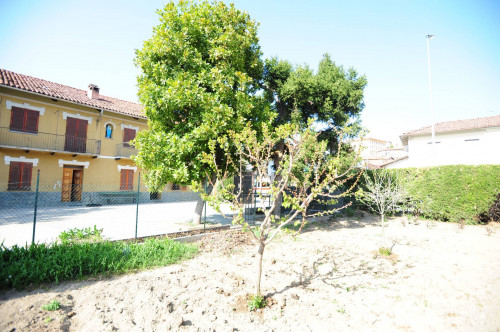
(40, 213)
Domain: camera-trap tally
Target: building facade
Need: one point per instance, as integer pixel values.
(376, 152)
(77, 140)
(461, 142)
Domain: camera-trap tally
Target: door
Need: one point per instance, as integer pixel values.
(76, 190)
(76, 135)
(72, 184)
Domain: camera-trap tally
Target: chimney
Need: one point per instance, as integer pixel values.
(93, 92)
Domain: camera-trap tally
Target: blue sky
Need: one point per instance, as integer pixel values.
(80, 42)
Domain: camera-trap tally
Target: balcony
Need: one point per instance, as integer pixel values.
(124, 150)
(49, 142)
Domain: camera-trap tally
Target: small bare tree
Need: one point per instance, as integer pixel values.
(383, 192)
(306, 171)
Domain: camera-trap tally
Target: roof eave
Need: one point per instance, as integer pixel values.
(71, 102)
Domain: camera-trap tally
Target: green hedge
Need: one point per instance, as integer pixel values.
(452, 193)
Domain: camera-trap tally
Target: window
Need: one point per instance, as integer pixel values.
(20, 176)
(127, 179)
(128, 135)
(176, 186)
(24, 120)
(109, 131)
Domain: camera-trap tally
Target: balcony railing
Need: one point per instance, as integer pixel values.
(124, 150)
(48, 142)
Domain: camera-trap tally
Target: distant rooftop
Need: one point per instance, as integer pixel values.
(67, 93)
(443, 127)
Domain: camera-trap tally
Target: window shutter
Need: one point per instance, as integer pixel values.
(27, 169)
(17, 118)
(82, 128)
(14, 175)
(71, 126)
(31, 121)
(128, 135)
(123, 179)
(130, 180)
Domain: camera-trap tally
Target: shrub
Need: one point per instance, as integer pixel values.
(21, 267)
(452, 193)
(256, 302)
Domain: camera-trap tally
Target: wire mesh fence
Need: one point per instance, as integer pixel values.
(35, 213)
(39, 213)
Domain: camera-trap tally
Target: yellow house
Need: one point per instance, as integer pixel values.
(76, 139)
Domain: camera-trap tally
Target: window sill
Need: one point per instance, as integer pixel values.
(23, 132)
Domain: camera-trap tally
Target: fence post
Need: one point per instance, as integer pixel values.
(205, 208)
(36, 206)
(137, 209)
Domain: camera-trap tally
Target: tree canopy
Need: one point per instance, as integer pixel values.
(333, 96)
(200, 72)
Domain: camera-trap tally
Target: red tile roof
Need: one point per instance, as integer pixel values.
(458, 125)
(64, 92)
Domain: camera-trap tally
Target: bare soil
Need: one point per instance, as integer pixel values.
(439, 277)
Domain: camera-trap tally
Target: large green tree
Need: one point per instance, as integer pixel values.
(200, 72)
(333, 97)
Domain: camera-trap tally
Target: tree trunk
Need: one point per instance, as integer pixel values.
(259, 275)
(277, 179)
(200, 203)
(198, 211)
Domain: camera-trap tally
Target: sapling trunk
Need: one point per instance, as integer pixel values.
(259, 273)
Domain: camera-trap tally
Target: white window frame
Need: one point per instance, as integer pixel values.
(9, 159)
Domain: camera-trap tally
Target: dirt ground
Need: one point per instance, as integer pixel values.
(441, 277)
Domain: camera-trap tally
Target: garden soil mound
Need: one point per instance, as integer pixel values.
(440, 277)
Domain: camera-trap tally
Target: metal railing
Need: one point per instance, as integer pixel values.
(124, 150)
(48, 141)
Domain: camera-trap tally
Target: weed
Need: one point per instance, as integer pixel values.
(48, 320)
(461, 224)
(341, 310)
(256, 302)
(81, 235)
(383, 251)
(52, 306)
(489, 231)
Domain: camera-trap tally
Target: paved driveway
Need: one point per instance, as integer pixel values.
(116, 221)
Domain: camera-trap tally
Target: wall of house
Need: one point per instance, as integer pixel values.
(101, 172)
(472, 147)
(53, 120)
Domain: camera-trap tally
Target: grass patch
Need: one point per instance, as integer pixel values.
(52, 306)
(21, 267)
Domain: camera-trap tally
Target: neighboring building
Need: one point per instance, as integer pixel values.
(468, 142)
(77, 139)
(376, 152)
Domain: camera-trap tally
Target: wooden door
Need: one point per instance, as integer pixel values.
(76, 192)
(67, 182)
(71, 190)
